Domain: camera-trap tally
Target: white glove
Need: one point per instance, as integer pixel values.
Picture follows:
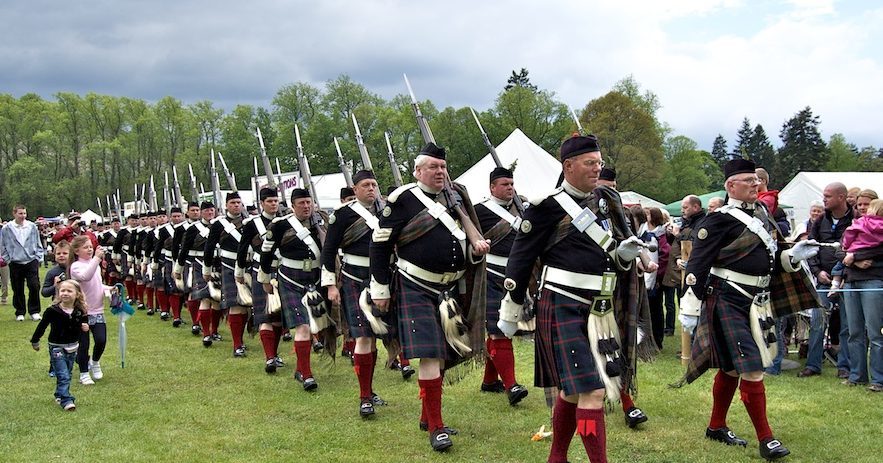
(629, 249)
(804, 250)
(508, 328)
(688, 322)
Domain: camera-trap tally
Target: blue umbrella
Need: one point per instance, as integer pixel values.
(121, 308)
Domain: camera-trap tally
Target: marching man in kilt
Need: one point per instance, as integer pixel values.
(167, 290)
(349, 231)
(123, 257)
(735, 259)
(191, 256)
(108, 240)
(181, 273)
(433, 293)
(297, 240)
(577, 344)
(140, 263)
(248, 261)
(225, 234)
(157, 268)
(499, 219)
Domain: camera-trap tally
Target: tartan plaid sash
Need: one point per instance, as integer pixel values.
(418, 226)
(354, 232)
(563, 230)
(498, 232)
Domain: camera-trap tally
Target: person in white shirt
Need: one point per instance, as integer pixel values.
(22, 250)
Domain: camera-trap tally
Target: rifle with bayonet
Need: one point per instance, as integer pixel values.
(366, 160)
(100, 209)
(279, 180)
(193, 191)
(579, 126)
(472, 233)
(343, 167)
(179, 199)
(167, 197)
(393, 165)
(268, 169)
(231, 179)
(254, 187)
(216, 183)
(109, 208)
(307, 178)
(493, 151)
(137, 201)
(151, 196)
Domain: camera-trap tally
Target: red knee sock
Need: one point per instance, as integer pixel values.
(162, 300)
(563, 427)
(303, 349)
(216, 320)
(193, 308)
(139, 289)
(754, 397)
(504, 360)
(269, 343)
(205, 321)
(277, 336)
(131, 290)
(722, 392)
(590, 427)
(174, 302)
(237, 327)
(490, 370)
(363, 365)
(432, 392)
(626, 399)
(150, 293)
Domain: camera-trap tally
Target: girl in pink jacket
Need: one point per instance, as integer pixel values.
(86, 269)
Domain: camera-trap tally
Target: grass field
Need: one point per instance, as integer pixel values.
(177, 401)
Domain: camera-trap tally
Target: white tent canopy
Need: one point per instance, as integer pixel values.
(630, 197)
(90, 216)
(327, 187)
(536, 171)
(807, 187)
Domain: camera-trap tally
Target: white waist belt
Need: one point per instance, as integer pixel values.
(228, 254)
(167, 252)
(497, 260)
(423, 274)
(572, 279)
(305, 265)
(359, 261)
(195, 253)
(741, 278)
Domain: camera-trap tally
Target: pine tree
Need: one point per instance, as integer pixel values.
(743, 140)
(761, 150)
(520, 79)
(719, 150)
(803, 148)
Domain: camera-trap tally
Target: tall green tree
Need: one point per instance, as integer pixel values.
(761, 150)
(743, 140)
(719, 150)
(520, 79)
(803, 148)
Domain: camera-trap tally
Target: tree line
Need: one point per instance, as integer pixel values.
(62, 154)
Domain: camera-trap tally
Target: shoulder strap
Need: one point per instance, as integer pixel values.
(584, 221)
(304, 235)
(230, 229)
(370, 219)
(493, 206)
(440, 213)
(201, 228)
(754, 226)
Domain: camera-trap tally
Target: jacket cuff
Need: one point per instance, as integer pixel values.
(177, 268)
(510, 310)
(787, 265)
(239, 272)
(378, 290)
(328, 278)
(690, 304)
(263, 277)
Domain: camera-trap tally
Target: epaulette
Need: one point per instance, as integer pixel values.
(342, 205)
(249, 219)
(398, 191)
(539, 199)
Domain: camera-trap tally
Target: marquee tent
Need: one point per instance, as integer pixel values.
(535, 170)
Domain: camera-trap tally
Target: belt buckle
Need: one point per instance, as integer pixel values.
(764, 281)
(307, 265)
(447, 277)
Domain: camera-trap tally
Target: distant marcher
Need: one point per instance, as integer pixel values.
(66, 319)
(23, 252)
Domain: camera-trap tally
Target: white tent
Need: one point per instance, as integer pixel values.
(89, 216)
(327, 187)
(536, 171)
(807, 187)
(630, 197)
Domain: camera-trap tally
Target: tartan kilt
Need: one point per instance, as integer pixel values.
(350, 290)
(159, 275)
(111, 268)
(198, 287)
(733, 347)
(294, 313)
(186, 275)
(495, 294)
(563, 357)
(420, 330)
(124, 265)
(259, 299)
(229, 291)
(168, 278)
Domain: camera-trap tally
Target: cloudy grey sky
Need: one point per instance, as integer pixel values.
(711, 62)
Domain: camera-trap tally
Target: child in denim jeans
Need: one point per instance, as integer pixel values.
(66, 319)
(53, 276)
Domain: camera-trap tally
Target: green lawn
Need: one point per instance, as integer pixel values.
(177, 401)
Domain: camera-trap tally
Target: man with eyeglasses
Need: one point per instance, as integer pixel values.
(727, 301)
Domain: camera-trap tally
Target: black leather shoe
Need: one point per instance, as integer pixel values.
(176, 322)
(286, 337)
(216, 337)
(634, 417)
(310, 384)
(377, 400)
(496, 387)
(724, 435)
(771, 449)
(150, 311)
(366, 409)
(270, 366)
(207, 341)
(239, 351)
(318, 346)
(408, 372)
(195, 329)
(447, 429)
(807, 372)
(516, 393)
(164, 316)
(440, 440)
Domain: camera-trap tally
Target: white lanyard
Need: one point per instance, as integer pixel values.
(304, 235)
